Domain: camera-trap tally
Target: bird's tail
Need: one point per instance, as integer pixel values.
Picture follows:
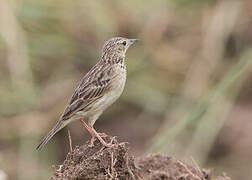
(54, 130)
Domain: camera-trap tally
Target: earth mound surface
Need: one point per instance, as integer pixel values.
(99, 163)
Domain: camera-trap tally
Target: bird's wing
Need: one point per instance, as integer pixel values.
(92, 86)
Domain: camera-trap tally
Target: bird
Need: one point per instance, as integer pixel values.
(96, 91)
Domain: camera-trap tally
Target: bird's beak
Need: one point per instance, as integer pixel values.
(133, 40)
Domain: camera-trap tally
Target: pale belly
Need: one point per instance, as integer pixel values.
(108, 99)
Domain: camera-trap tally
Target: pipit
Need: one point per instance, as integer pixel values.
(97, 90)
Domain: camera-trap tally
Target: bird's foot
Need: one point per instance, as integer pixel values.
(103, 135)
(108, 145)
(92, 142)
(94, 135)
(100, 137)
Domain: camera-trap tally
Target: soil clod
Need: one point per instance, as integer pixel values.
(88, 163)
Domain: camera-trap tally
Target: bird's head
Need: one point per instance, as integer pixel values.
(117, 46)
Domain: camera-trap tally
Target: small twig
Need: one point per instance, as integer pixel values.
(129, 170)
(70, 141)
(189, 171)
(197, 166)
(112, 161)
(112, 173)
(108, 171)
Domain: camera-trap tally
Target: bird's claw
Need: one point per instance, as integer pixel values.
(105, 145)
(102, 135)
(110, 144)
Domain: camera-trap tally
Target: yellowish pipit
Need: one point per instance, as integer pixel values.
(97, 90)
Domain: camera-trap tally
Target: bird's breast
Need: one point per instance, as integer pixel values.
(117, 84)
(114, 92)
(110, 96)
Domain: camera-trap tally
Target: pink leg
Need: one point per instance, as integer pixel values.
(94, 135)
(93, 138)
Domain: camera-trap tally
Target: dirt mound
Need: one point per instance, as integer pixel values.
(86, 163)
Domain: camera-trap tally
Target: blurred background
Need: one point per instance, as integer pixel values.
(188, 92)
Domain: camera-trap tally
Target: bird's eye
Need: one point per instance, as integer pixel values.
(124, 43)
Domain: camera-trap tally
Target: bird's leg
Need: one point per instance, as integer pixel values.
(94, 135)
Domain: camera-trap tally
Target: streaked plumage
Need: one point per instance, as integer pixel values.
(97, 90)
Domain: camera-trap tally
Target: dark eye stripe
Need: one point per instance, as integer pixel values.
(124, 43)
